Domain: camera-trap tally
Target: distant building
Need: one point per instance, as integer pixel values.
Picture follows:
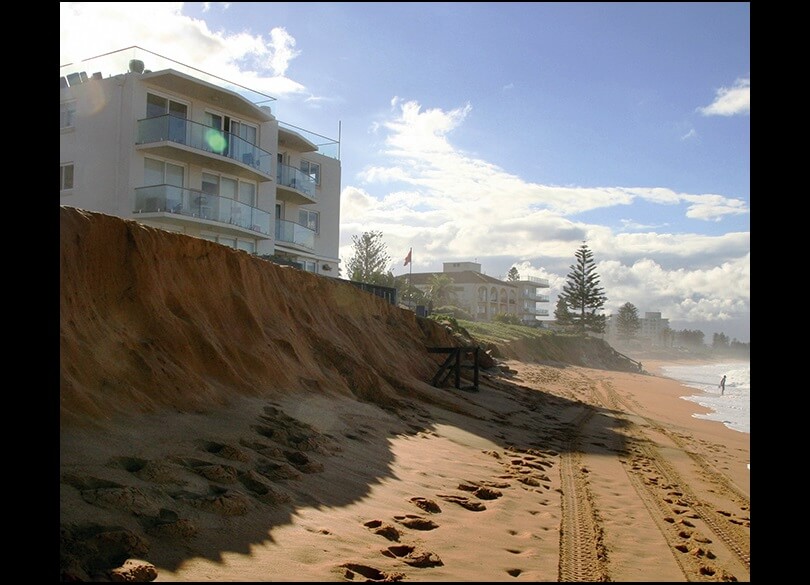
(484, 297)
(146, 138)
(653, 328)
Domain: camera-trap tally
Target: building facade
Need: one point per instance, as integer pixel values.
(188, 152)
(485, 297)
(653, 329)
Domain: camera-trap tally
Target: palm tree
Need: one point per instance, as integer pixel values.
(441, 289)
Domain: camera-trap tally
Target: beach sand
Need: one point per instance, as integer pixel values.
(561, 473)
(224, 419)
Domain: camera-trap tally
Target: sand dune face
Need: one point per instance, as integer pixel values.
(151, 319)
(227, 419)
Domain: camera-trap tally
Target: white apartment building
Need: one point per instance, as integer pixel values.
(484, 296)
(653, 328)
(143, 137)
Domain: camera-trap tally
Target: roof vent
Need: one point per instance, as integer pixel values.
(136, 66)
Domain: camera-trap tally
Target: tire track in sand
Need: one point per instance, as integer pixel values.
(675, 506)
(582, 554)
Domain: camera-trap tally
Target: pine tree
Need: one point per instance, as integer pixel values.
(561, 314)
(627, 321)
(583, 295)
(370, 261)
(513, 274)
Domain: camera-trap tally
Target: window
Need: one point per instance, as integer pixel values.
(67, 114)
(242, 191)
(312, 169)
(230, 242)
(241, 150)
(66, 177)
(246, 245)
(310, 219)
(210, 184)
(171, 197)
(158, 172)
(160, 106)
(244, 131)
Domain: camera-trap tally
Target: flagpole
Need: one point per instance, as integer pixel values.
(410, 274)
(409, 260)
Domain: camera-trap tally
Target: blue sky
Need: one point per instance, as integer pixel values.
(505, 133)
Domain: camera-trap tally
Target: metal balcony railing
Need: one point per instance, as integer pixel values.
(197, 204)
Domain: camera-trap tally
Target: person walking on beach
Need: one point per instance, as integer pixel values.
(722, 385)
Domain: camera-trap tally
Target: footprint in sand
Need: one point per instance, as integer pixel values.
(464, 502)
(412, 556)
(426, 505)
(226, 451)
(386, 530)
(416, 522)
(369, 573)
(483, 492)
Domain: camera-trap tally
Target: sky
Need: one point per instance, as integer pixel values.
(506, 134)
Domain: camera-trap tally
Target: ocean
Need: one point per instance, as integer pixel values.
(733, 408)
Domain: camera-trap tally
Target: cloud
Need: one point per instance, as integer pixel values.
(421, 156)
(426, 193)
(713, 207)
(223, 5)
(712, 293)
(690, 134)
(256, 61)
(282, 48)
(730, 101)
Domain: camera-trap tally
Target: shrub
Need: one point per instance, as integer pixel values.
(454, 311)
(507, 318)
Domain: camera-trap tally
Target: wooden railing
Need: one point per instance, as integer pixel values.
(452, 365)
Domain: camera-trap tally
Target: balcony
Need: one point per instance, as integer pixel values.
(295, 186)
(192, 142)
(305, 141)
(539, 282)
(296, 234)
(534, 311)
(179, 205)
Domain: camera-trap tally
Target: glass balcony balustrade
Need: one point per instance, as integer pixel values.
(326, 146)
(541, 282)
(295, 179)
(197, 204)
(201, 137)
(294, 233)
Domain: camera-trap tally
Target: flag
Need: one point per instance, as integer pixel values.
(408, 257)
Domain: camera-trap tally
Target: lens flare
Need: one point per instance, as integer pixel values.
(215, 140)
